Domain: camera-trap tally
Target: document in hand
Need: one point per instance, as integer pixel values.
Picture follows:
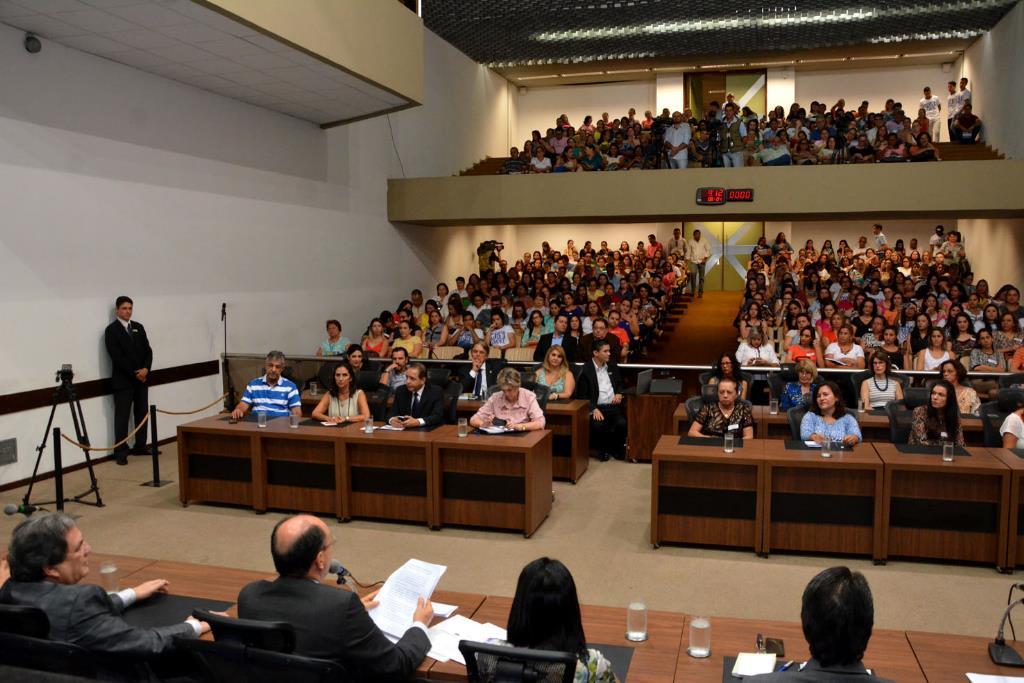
(445, 637)
(413, 580)
(495, 429)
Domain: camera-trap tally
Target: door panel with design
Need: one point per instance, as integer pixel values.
(731, 244)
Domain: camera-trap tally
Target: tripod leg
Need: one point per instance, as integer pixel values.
(41, 448)
(78, 419)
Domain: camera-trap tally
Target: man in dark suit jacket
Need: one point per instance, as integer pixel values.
(586, 350)
(82, 614)
(601, 385)
(420, 403)
(132, 358)
(330, 623)
(565, 340)
(482, 372)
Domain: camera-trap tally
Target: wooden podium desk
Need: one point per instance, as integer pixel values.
(492, 480)
(648, 417)
(816, 504)
(1015, 546)
(945, 510)
(704, 496)
(569, 422)
(653, 660)
(888, 654)
(681, 420)
(946, 658)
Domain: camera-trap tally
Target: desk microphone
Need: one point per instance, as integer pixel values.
(334, 568)
(12, 509)
(1001, 653)
(223, 311)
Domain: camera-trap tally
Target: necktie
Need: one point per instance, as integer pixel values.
(415, 410)
(478, 388)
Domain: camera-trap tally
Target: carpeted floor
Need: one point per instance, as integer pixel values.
(600, 528)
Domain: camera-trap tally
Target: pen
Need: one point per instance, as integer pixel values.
(802, 665)
(786, 665)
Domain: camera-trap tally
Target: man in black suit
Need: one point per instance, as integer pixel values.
(417, 404)
(560, 337)
(586, 350)
(330, 623)
(132, 358)
(48, 559)
(601, 384)
(482, 372)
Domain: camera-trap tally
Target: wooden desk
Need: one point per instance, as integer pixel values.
(492, 481)
(653, 660)
(947, 658)
(1015, 544)
(648, 417)
(874, 425)
(945, 510)
(816, 504)
(681, 420)
(126, 567)
(888, 653)
(704, 496)
(569, 422)
(468, 604)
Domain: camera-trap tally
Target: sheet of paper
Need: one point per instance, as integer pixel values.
(812, 444)
(752, 664)
(329, 424)
(390, 428)
(986, 678)
(444, 611)
(445, 637)
(495, 430)
(398, 596)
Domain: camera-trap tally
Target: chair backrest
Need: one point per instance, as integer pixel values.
(796, 416)
(325, 375)
(693, 406)
(991, 420)
(542, 392)
(494, 352)
(1013, 378)
(367, 380)
(1009, 399)
(439, 376)
(447, 352)
(704, 377)
(519, 355)
(486, 663)
(451, 402)
(858, 378)
(40, 654)
(899, 421)
(915, 396)
(232, 662)
(24, 620)
(278, 636)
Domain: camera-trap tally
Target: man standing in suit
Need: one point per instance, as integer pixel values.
(480, 373)
(132, 358)
(601, 385)
(330, 623)
(560, 337)
(417, 404)
(48, 559)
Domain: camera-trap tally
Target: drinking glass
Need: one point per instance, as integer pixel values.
(261, 419)
(314, 389)
(860, 405)
(463, 426)
(636, 621)
(293, 421)
(947, 451)
(368, 426)
(826, 448)
(728, 442)
(773, 406)
(700, 638)
(108, 577)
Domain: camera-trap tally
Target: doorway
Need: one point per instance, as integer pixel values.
(731, 245)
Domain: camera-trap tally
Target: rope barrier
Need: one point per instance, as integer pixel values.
(140, 426)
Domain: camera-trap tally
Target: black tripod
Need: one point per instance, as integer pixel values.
(65, 392)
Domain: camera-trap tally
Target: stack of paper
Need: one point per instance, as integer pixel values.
(752, 664)
(983, 678)
(495, 429)
(399, 594)
(445, 637)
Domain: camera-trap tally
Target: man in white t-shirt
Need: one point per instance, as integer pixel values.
(540, 163)
(698, 251)
(933, 112)
(937, 239)
(964, 94)
(952, 107)
(677, 141)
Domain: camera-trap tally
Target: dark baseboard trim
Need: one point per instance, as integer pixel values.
(42, 398)
(73, 468)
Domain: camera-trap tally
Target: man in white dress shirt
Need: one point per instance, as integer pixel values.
(698, 251)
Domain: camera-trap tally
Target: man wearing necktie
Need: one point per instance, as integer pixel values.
(479, 374)
(417, 404)
(131, 358)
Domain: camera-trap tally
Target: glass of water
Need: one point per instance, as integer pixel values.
(314, 389)
(773, 406)
(700, 638)
(108, 577)
(728, 442)
(368, 426)
(261, 419)
(463, 426)
(293, 421)
(826, 448)
(860, 405)
(947, 451)
(636, 621)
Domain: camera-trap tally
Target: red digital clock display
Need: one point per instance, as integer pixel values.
(712, 196)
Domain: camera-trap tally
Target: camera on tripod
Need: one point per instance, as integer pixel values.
(65, 374)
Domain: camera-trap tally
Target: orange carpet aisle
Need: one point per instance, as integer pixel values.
(703, 331)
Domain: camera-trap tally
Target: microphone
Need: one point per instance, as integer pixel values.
(12, 509)
(1001, 653)
(334, 568)
(223, 310)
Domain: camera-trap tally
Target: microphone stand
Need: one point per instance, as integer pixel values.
(229, 401)
(1001, 653)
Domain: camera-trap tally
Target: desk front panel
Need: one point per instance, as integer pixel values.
(216, 466)
(389, 476)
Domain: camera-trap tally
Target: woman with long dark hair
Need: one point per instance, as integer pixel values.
(939, 421)
(344, 401)
(827, 418)
(728, 366)
(545, 615)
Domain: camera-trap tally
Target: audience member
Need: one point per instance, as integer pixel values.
(416, 403)
(1012, 429)
(800, 392)
(556, 374)
(826, 418)
(966, 397)
(335, 344)
(477, 377)
(559, 337)
(395, 374)
(511, 406)
(939, 421)
(727, 415)
(601, 385)
(881, 387)
(272, 393)
(344, 402)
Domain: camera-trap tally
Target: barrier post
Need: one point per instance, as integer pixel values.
(155, 451)
(58, 471)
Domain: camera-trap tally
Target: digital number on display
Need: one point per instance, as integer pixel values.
(719, 195)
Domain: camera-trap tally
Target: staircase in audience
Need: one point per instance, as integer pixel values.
(703, 331)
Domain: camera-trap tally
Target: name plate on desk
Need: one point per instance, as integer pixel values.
(716, 441)
(929, 450)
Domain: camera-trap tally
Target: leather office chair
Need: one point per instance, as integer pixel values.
(1007, 381)
(24, 643)
(796, 416)
(899, 421)
(233, 662)
(277, 636)
(439, 376)
(486, 663)
(376, 393)
(777, 380)
(451, 402)
(325, 375)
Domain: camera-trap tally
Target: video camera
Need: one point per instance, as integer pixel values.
(65, 374)
(489, 245)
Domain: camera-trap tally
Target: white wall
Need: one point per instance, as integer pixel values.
(538, 108)
(780, 88)
(670, 92)
(993, 65)
(994, 247)
(874, 84)
(116, 181)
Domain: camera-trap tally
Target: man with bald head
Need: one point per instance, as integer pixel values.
(330, 623)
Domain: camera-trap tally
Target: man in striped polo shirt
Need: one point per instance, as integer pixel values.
(271, 394)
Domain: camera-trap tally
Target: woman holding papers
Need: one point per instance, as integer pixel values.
(545, 615)
(343, 402)
(844, 353)
(827, 418)
(513, 407)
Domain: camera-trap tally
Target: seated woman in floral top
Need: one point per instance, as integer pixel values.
(939, 421)
(827, 418)
(725, 416)
(545, 615)
(799, 393)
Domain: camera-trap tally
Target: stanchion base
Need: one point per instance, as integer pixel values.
(155, 484)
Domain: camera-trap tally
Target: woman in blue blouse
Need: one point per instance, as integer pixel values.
(827, 418)
(799, 393)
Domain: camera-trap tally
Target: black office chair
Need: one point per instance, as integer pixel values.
(25, 643)
(376, 393)
(899, 421)
(23, 620)
(777, 380)
(744, 377)
(451, 402)
(325, 375)
(277, 636)
(796, 416)
(709, 393)
(991, 420)
(439, 376)
(1007, 381)
(487, 663)
(232, 662)
(915, 396)
(693, 406)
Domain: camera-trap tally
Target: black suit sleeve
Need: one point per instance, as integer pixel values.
(585, 389)
(121, 360)
(433, 409)
(401, 404)
(371, 651)
(147, 350)
(98, 627)
(542, 347)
